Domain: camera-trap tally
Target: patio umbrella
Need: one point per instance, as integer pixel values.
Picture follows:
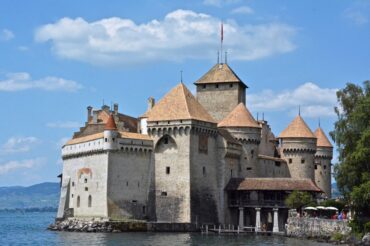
(331, 208)
(310, 208)
(320, 207)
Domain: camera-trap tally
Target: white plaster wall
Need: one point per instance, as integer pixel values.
(96, 185)
(88, 146)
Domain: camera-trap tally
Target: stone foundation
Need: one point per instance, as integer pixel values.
(316, 228)
(86, 225)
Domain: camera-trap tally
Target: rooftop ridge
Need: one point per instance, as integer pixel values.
(220, 73)
(322, 139)
(297, 129)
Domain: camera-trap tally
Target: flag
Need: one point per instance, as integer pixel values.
(222, 32)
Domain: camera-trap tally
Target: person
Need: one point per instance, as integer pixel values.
(340, 216)
(344, 215)
(264, 227)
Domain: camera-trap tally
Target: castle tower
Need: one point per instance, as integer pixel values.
(110, 134)
(243, 127)
(220, 90)
(184, 137)
(323, 156)
(298, 147)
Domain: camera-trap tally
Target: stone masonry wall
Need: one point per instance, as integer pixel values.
(315, 228)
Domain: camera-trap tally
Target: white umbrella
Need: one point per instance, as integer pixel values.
(331, 208)
(310, 208)
(320, 207)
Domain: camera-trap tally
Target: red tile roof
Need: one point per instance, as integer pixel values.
(297, 129)
(111, 124)
(239, 117)
(322, 139)
(283, 184)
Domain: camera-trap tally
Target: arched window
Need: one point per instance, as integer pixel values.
(78, 201)
(90, 201)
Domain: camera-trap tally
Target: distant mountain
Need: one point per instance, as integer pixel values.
(35, 196)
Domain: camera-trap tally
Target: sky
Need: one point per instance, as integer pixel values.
(58, 57)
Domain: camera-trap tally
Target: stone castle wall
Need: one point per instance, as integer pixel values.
(220, 99)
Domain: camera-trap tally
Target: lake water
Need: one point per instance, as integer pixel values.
(30, 229)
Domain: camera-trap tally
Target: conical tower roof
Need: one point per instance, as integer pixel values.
(297, 129)
(322, 139)
(111, 124)
(239, 117)
(220, 73)
(179, 104)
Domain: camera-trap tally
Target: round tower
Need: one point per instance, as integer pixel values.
(298, 147)
(110, 134)
(243, 127)
(323, 156)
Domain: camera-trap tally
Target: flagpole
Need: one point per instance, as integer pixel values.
(222, 37)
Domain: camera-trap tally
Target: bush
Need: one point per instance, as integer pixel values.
(337, 237)
(367, 227)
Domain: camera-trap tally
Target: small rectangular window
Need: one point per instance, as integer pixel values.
(216, 85)
(168, 170)
(86, 189)
(315, 167)
(85, 181)
(106, 139)
(73, 184)
(204, 171)
(249, 168)
(165, 140)
(113, 139)
(324, 166)
(231, 173)
(302, 161)
(163, 193)
(290, 161)
(72, 195)
(126, 183)
(144, 210)
(231, 85)
(204, 86)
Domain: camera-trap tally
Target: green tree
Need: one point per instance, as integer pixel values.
(352, 137)
(298, 199)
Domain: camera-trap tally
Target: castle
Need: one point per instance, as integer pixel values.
(191, 159)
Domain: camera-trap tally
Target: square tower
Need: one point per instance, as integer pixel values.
(220, 90)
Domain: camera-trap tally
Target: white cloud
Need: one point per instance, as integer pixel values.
(182, 34)
(356, 16)
(18, 144)
(23, 81)
(314, 101)
(24, 164)
(6, 35)
(243, 10)
(219, 3)
(63, 124)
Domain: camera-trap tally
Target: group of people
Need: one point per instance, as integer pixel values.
(341, 216)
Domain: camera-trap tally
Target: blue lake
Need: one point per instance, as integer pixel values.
(30, 229)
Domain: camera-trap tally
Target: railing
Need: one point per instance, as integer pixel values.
(256, 203)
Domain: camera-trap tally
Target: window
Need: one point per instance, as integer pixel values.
(90, 201)
(324, 166)
(231, 173)
(249, 168)
(165, 140)
(126, 183)
(86, 189)
(290, 161)
(85, 181)
(168, 170)
(302, 161)
(277, 163)
(315, 167)
(216, 85)
(134, 201)
(106, 139)
(204, 86)
(72, 195)
(252, 153)
(73, 184)
(168, 122)
(204, 171)
(144, 210)
(78, 201)
(113, 139)
(164, 193)
(231, 85)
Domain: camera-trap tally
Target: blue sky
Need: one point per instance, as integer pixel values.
(58, 57)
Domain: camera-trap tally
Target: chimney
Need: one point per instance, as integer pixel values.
(95, 116)
(89, 110)
(151, 103)
(115, 106)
